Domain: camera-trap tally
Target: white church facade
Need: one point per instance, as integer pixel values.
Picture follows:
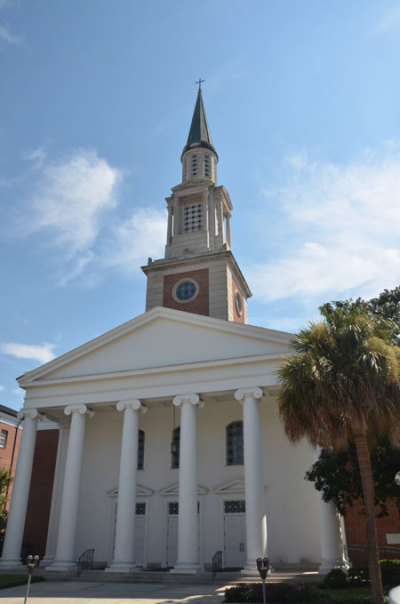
(170, 445)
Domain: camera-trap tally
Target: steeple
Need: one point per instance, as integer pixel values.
(199, 157)
(199, 133)
(198, 273)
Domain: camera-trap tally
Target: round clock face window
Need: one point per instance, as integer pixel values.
(185, 290)
(238, 304)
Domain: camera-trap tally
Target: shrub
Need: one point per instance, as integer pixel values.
(275, 592)
(335, 579)
(358, 575)
(390, 570)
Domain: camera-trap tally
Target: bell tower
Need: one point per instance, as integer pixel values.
(198, 273)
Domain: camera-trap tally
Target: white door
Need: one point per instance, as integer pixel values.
(172, 540)
(140, 527)
(234, 536)
(140, 522)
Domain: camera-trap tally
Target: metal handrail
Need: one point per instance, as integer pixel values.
(216, 563)
(85, 561)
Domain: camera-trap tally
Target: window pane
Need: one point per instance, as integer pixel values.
(234, 444)
(140, 462)
(175, 447)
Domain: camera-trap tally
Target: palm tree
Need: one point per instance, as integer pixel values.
(343, 382)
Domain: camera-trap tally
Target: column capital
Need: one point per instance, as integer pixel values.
(134, 404)
(81, 409)
(181, 399)
(31, 413)
(243, 393)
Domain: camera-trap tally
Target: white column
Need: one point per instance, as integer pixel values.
(332, 536)
(19, 502)
(51, 542)
(125, 525)
(65, 551)
(256, 520)
(188, 527)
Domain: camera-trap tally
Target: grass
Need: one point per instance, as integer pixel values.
(14, 580)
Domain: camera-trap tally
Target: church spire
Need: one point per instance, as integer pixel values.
(199, 133)
(199, 157)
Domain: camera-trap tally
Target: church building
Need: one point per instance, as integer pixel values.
(169, 443)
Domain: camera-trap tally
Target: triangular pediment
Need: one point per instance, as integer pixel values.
(173, 490)
(141, 491)
(162, 338)
(231, 487)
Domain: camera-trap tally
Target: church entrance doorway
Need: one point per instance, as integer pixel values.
(140, 529)
(235, 534)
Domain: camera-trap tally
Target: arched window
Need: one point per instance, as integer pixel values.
(140, 459)
(234, 444)
(175, 447)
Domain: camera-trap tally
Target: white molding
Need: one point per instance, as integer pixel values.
(217, 325)
(173, 490)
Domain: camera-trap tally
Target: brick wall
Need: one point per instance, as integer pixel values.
(356, 532)
(201, 303)
(37, 518)
(9, 453)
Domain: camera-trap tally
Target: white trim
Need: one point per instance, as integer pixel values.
(262, 333)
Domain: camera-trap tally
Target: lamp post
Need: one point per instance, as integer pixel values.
(31, 563)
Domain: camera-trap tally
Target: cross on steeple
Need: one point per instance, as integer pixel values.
(199, 82)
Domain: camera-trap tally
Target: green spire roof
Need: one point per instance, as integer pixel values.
(199, 134)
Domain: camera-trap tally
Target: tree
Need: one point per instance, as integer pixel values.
(336, 474)
(343, 383)
(5, 481)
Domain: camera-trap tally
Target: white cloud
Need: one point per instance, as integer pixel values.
(342, 230)
(42, 353)
(71, 197)
(142, 235)
(389, 21)
(7, 36)
(2, 388)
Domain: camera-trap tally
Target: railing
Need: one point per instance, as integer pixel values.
(216, 563)
(383, 550)
(85, 561)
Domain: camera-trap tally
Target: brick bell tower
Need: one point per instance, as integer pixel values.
(199, 273)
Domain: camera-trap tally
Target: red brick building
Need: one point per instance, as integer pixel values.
(10, 436)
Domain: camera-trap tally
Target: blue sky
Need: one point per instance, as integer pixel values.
(96, 99)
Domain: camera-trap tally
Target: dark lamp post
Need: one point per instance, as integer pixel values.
(31, 563)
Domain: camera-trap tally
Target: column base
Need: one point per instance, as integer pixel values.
(121, 567)
(62, 565)
(250, 569)
(185, 569)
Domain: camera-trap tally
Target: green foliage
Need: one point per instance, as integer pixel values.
(275, 592)
(358, 575)
(5, 481)
(385, 307)
(335, 579)
(337, 475)
(390, 570)
(14, 580)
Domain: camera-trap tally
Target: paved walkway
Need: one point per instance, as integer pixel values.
(51, 592)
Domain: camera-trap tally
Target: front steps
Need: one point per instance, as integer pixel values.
(154, 576)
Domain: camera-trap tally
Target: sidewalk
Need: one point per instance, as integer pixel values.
(113, 593)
